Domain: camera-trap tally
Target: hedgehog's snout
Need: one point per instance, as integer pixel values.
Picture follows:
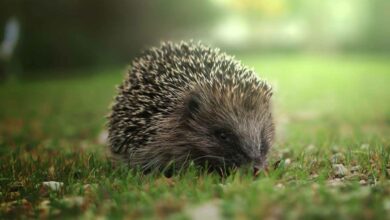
(243, 159)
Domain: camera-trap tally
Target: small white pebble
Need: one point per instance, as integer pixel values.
(311, 147)
(339, 170)
(386, 204)
(75, 201)
(336, 182)
(364, 146)
(355, 168)
(208, 210)
(363, 182)
(53, 185)
(103, 137)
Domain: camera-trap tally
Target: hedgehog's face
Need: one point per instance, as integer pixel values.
(227, 130)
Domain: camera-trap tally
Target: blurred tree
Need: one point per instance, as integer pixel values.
(74, 33)
(8, 44)
(70, 33)
(377, 37)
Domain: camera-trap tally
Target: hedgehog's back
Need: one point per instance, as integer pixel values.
(157, 83)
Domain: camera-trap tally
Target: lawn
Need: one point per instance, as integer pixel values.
(330, 160)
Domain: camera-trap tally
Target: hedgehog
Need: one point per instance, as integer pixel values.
(187, 103)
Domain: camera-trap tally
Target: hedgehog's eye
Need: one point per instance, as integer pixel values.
(223, 135)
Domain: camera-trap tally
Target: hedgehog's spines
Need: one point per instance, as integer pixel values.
(155, 86)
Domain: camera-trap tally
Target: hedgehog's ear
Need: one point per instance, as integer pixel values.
(192, 104)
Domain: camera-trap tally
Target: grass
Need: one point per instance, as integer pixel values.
(330, 161)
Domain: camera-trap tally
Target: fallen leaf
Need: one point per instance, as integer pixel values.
(44, 207)
(16, 186)
(51, 171)
(276, 164)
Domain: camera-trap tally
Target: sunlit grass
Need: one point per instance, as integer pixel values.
(330, 111)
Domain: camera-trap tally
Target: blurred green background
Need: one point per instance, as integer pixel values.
(327, 60)
(66, 34)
